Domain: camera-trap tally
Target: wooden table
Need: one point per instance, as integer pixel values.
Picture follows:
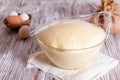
(14, 52)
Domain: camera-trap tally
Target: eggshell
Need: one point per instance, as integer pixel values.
(14, 20)
(13, 13)
(24, 16)
(24, 32)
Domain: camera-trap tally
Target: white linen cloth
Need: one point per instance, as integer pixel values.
(101, 65)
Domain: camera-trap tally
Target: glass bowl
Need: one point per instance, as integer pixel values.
(74, 58)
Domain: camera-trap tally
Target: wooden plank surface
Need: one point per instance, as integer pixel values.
(14, 52)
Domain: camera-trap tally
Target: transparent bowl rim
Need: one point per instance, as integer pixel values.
(59, 49)
(82, 16)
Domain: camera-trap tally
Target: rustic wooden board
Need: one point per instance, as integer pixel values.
(14, 52)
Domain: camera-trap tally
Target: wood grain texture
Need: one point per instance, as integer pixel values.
(14, 52)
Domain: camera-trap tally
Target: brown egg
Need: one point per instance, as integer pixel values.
(24, 32)
(14, 20)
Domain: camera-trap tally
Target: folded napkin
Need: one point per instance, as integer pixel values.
(101, 65)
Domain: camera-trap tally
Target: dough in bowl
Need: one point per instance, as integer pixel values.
(71, 34)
